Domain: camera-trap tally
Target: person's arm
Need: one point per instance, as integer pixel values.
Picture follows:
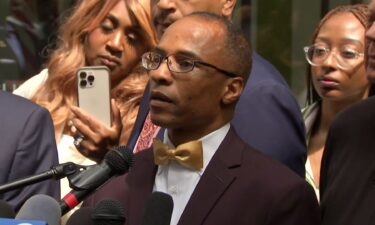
(268, 118)
(36, 152)
(297, 205)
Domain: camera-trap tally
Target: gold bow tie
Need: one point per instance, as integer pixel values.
(189, 154)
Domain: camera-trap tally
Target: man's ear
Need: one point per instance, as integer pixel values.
(228, 8)
(233, 90)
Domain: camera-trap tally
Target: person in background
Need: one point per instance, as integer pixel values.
(112, 33)
(27, 147)
(336, 77)
(347, 173)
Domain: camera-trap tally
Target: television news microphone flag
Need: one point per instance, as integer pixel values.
(116, 162)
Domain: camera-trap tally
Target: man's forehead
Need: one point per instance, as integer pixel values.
(199, 40)
(190, 30)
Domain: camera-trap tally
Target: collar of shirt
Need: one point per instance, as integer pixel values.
(179, 181)
(210, 144)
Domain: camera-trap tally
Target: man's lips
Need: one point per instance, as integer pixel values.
(162, 23)
(161, 27)
(158, 96)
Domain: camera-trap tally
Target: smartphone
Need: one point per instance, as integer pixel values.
(94, 87)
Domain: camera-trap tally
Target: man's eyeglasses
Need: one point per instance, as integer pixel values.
(175, 63)
(346, 57)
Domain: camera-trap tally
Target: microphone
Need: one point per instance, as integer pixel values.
(40, 207)
(116, 162)
(56, 172)
(81, 216)
(158, 209)
(108, 212)
(6, 210)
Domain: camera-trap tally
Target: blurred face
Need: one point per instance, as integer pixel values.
(116, 43)
(165, 12)
(370, 41)
(189, 101)
(342, 74)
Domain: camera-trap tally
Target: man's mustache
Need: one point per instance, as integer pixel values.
(161, 17)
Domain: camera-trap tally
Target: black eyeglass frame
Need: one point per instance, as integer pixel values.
(193, 61)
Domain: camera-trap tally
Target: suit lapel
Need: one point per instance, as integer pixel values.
(218, 176)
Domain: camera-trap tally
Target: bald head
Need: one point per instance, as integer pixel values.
(227, 44)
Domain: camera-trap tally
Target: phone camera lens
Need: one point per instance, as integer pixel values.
(83, 75)
(91, 78)
(83, 83)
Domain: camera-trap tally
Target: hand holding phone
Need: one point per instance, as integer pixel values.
(93, 84)
(92, 119)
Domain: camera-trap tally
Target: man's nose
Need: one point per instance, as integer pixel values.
(162, 74)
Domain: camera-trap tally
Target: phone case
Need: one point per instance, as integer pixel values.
(93, 85)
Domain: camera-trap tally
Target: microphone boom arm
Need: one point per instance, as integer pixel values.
(57, 172)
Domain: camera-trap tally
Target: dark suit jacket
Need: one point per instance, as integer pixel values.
(27, 147)
(347, 180)
(267, 117)
(239, 186)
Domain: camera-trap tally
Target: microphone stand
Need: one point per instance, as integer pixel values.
(57, 172)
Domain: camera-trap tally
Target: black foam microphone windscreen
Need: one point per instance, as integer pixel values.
(41, 207)
(108, 212)
(158, 211)
(81, 217)
(116, 162)
(6, 210)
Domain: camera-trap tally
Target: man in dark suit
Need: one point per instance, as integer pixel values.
(196, 78)
(347, 180)
(27, 147)
(267, 115)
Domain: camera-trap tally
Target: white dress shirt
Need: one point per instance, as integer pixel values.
(179, 181)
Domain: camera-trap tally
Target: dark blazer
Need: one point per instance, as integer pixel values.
(27, 147)
(347, 180)
(267, 117)
(239, 186)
